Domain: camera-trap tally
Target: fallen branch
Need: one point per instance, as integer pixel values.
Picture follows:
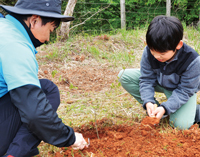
(89, 18)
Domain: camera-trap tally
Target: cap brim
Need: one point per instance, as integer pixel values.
(35, 12)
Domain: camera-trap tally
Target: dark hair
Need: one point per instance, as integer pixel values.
(45, 20)
(164, 33)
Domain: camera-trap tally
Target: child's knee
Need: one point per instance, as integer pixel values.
(180, 124)
(129, 75)
(120, 74)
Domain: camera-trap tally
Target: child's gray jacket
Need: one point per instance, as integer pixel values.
(181, 75)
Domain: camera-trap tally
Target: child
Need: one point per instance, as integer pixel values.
(169, 66)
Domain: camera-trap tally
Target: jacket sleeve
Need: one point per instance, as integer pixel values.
(189, 84)
(39, 116)
(147, 80)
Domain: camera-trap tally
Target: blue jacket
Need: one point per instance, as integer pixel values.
(1, 15)
(18, 65)
(18, 76)
(181, 75)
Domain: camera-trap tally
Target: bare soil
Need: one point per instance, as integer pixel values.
(79, 75)
(137, 139)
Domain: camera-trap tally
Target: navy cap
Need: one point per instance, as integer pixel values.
(45, 8)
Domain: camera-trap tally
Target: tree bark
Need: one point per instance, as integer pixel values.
(123, 14)
(168, 7)
(64, 29)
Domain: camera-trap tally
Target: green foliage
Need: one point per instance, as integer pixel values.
(8, 2)
(100, 16)
(139, 13)
(54, 72)
(72, 86)
(187, 11)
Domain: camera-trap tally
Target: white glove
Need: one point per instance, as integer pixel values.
(80, 142)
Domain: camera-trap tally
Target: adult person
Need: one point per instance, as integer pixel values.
(28, 105)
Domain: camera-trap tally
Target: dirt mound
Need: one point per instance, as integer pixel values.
(135, 140)
(151, 121)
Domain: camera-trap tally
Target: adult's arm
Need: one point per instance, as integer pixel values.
(39, 116)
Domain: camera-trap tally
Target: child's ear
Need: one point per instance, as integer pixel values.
(180, 44)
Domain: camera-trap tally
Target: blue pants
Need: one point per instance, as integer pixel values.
(15, 138)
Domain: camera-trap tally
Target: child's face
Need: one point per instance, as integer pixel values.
(168, 55)
(163, 56)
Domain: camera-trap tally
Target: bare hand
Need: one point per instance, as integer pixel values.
(80, 142)
(150, 108)
(159, 112)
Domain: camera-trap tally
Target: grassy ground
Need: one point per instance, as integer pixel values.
(116, 52)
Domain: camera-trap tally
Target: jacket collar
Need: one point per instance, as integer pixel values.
(23, 28)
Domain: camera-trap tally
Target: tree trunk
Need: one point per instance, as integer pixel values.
(64, 29)
(168, 7)
(123, 14)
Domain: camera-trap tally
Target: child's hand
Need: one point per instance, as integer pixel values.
(159, 112)
(150, 108)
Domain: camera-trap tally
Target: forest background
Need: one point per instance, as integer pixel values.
(100, 16)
